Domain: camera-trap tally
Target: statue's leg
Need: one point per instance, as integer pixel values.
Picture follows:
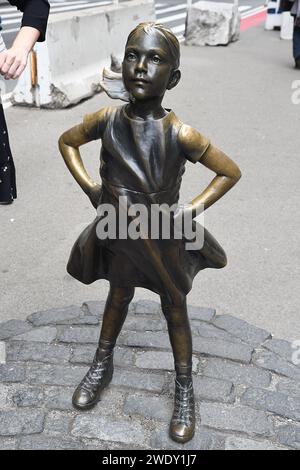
(115, 312)
(182, 426)
(88, 392)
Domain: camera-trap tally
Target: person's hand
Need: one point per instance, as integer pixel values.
(13, 62)
(94, 195)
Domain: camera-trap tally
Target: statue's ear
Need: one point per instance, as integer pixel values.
(174, 79)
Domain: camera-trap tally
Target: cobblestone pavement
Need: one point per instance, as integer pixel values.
(246, 385)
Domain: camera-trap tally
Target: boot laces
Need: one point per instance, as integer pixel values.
(184, 404)
(95, 374)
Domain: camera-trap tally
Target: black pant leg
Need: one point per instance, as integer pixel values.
(8, 190)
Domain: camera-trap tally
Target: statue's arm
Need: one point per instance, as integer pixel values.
(198, 149)
(69, 143)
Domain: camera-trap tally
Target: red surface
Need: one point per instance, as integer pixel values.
(254, 20)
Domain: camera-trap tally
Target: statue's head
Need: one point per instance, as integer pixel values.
(151, 61)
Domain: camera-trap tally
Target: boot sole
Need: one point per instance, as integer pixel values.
(181, 440)
(90, 405)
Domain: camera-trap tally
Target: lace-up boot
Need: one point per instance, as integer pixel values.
(87, 394)
(182, 426)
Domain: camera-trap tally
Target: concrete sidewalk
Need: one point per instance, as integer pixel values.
(239, 96)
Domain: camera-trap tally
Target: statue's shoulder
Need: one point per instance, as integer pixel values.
(95, 123)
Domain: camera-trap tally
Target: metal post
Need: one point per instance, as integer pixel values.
(33, 68)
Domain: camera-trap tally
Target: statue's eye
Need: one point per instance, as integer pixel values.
(131, 56)
(156, 59)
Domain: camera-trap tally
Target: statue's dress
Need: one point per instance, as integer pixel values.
(143, 161)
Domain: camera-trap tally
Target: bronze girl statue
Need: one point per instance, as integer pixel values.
(144, 151)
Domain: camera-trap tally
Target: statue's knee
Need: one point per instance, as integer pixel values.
(121, 296)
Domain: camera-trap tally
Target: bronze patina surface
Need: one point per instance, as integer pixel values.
(144, 152)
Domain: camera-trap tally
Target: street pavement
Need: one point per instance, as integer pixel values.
(246, 383)
(239, 96)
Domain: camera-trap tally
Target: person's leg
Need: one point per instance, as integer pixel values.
(182, 424)
(296, 45)
(8, 190)
(87, 394)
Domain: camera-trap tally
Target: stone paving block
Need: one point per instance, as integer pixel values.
(144, 323)
(203, 440)
(288, 387)
(282, 348)
(111, 402)
(236, 418)
(114, 430)
(269, 360)
(138, 380)
(55, 316)
(289, 435)
(59, 398)
(147, 306)
(12, 372)
(45, 334)
(18, 351)
(58, 423)
(213, 389)
(159, 360)
(124, 356)
(84, 354)
(22, 421)
(148, 340)
(239, 443)
(13, 327)
(273, 402)
(201, 313)
(2, 352)
(28, 397)
(95, 444)
(45, 442)
(94, 307)
(77, 334)
(219, 348)
(40, 374)
(210, 331)
(4, 394)
(8, 444)
(150, 407)
(90, 320)
(237, 373)
(243, 330)
(118, 446)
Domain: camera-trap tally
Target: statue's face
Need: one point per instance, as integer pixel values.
(147, 66)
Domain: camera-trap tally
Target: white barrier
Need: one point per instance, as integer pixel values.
(273, 18)
(78, 46)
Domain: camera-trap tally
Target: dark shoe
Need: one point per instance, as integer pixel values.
(88, 392)
(182, 426)
(297, 63)
(7, 202)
